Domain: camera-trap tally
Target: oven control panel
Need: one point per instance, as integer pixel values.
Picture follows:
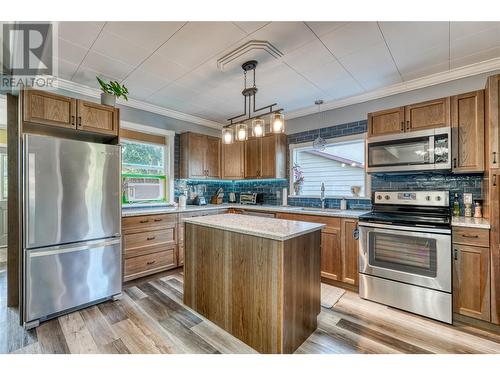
(413, 198)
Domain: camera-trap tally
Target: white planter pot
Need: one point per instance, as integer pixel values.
(108, 99)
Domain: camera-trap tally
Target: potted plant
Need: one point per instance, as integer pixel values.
(298, 178)
(111, 91)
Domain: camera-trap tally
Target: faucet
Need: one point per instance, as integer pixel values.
(322, 198)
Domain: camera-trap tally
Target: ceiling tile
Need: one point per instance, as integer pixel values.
(300, 58)
(462, 29)
(475, 57)
(120, 49)
(329, 77)
(372, 67)
(475, 43)
(70, 52)
(106, 65)
(286, 36)
(87, 77)
(425, 71)
(250, 27)
(198, 41)
(163, 67)
(66, 69)
(353, 37)
(141, 84)
(414, 62)
(323, 27)
(79, 33)
(148, 35)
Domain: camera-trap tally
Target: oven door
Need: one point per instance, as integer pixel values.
(417, 256)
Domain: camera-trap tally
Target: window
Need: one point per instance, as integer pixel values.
(341, 166)
(144, 172)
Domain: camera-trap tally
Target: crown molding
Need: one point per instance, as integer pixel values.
(78, 88)
(414, 84)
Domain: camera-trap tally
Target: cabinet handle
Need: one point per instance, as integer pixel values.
(402, 126)
(494, 157)
(494, 180)
(470, 235)
(73, 120)
(151, 262)
(455, 254)
(144, 221)
(408, 125)
(158, 220)
(151, 238)
(79, 121)
(454, 162)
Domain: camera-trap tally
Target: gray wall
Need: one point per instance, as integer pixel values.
(152, 119)
(357, 112)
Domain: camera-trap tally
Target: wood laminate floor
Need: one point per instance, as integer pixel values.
(151, 318)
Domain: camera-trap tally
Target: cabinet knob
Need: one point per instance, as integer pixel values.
(73, 120)
(494, 180)
(158, 220)
(494, 157)
(454, 162)
(408, 125)
(144, 221)
(79, 121)
(151, 238)
(455, 254)
(151, 262)
(402, 126)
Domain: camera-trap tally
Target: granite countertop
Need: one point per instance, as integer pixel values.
(470, 222)
(291, 209)
(275, 229)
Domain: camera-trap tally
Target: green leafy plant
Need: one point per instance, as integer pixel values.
(113, 87)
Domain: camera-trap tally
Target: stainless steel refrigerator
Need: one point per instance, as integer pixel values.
(71, 225)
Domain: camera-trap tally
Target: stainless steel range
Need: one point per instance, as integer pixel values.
(405, 252)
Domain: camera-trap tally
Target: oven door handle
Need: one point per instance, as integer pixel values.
(405, 228)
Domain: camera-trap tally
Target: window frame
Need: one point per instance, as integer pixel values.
(331, 141)
(168, 155)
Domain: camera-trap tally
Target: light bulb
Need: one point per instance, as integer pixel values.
(258, 128)
(277, 122)
(227, 136)
(241, 132)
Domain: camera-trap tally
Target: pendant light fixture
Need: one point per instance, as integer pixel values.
(241, 132)
(227, 136)
(319, 143)
(258, 127)
(277, 124)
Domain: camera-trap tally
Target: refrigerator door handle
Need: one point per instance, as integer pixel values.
(33, 253)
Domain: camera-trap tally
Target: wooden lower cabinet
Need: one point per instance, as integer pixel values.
(149, 244)
(339, 247)
(471, 281)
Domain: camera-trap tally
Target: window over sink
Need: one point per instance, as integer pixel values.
(340, 165)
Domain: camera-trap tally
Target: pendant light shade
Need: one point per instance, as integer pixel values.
(277, 123)
(258, 127)
(227, 136)
(241, 132)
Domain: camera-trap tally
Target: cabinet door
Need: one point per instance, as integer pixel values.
(212, 157)
(349, 252)
(428, 115)
(471, 281)
(180, 254)
(253, 158)
(44, 108)
(196, 151)
(492, 184)
(268, 157)
(233, 160)
(389, 121)
(331, 267)
(97, 118)
(467, 121)
(492, 127)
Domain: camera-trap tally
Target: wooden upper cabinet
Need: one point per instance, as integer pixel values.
(212, 157)
(427, 115)
(265, 157)
(471, 281)
(97, 118)
(350, 252)
(467, 121)
(45, 108)
(233, 157)
(253, 157)
(200, 156)
(492, 126)
(389, 121)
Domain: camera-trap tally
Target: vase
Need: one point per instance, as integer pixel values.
(297, 188)
(108, 99)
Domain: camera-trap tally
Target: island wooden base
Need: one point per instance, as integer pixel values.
(264, 292)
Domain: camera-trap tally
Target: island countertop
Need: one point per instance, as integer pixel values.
(275, 229)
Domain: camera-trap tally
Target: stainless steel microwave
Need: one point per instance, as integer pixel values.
(424, 150)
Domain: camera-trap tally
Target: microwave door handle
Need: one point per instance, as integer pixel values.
(431, 149)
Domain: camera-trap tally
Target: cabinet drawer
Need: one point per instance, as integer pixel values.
(134, 224)
(471, 236)
(331, 222)
(149, 263)
(139, 243)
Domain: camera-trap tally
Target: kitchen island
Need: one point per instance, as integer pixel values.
(257, 278)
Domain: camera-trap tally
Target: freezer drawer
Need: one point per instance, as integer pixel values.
(71, 191)
(65, 277)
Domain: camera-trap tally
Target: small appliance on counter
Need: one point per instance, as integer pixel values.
(199, 200)
(232, 197)
(251, 198)
(218, 197)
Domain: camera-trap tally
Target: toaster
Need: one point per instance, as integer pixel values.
(251, 198)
